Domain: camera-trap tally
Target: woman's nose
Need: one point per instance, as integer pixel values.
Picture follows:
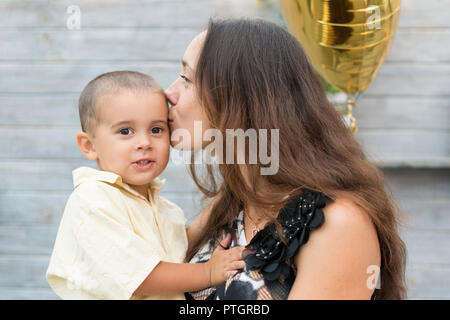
(172, 93)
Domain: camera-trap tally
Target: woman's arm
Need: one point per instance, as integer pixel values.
(194, 231)
(334, 263)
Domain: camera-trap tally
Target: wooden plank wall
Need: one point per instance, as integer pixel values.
(403, 117)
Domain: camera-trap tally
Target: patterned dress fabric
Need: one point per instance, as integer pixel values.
(269, 273)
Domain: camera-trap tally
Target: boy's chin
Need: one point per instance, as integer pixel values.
(140, 182)
(141, 178)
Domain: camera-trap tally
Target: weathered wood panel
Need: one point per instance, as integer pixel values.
(36, 240)
(428, 281)
(39, 110)
(128, 14)
(101, 44)
(41, 207)
(420, 45)
(403, 118)
(371, 112)
(26, 208)
(56, 78)
(44, 175)
(405, 79)
(400, 147)
(420, 184)
(425, 213)
(422, 248)
(425, 281)
(179, 13)
(403, 112)
(18, 293)
(29, 271)
(380, 145)
(423, 195)
(95, 44)
(28, 142)
(392, 79)
(419, 13)
(39, 240)
(19, 238)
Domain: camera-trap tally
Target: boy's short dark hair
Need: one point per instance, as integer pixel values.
(110, 82)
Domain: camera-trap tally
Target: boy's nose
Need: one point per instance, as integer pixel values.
(145, 142)
(172, 93)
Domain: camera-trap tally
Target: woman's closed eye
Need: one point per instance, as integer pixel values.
(185, 78)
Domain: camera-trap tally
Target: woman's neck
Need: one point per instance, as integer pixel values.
(259, 214)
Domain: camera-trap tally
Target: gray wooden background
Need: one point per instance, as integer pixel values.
(404, 119)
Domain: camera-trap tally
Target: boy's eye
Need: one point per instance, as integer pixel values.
(125, 131)
(157, 130)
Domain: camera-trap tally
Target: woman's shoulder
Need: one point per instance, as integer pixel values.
(339, 253)
(314, 210)
(343, 219)
(343, 215)
(352, 224)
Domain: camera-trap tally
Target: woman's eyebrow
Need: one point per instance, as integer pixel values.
(185, 64)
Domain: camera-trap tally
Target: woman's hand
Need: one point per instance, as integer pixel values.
(224, 262)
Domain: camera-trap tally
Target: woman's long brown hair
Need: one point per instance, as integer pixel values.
(252, 73)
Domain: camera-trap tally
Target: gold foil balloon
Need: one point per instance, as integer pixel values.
(345, 40)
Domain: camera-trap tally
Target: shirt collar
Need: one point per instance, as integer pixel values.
(84, 174)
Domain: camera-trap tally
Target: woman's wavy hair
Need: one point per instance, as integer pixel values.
(251, 73)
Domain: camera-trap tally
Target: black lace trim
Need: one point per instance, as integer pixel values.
(267, 253)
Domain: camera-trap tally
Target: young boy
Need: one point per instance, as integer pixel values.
(118, 239)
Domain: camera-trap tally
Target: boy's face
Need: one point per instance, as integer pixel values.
(132, 137)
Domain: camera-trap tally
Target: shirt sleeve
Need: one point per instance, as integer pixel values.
(97, 254)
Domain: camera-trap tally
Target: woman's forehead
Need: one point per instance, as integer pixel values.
(192, 52)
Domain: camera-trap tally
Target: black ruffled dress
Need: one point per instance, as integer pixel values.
(269, 273)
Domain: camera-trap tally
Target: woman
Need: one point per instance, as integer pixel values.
(323, 225)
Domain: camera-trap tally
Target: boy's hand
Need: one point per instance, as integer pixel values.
(224, 262)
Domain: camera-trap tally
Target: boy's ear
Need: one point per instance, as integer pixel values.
(86, 147)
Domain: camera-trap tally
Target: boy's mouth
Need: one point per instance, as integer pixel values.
(143, 164)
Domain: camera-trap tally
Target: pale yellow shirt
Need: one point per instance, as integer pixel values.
(111, 237)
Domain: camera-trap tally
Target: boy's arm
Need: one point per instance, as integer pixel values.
(169, 277)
